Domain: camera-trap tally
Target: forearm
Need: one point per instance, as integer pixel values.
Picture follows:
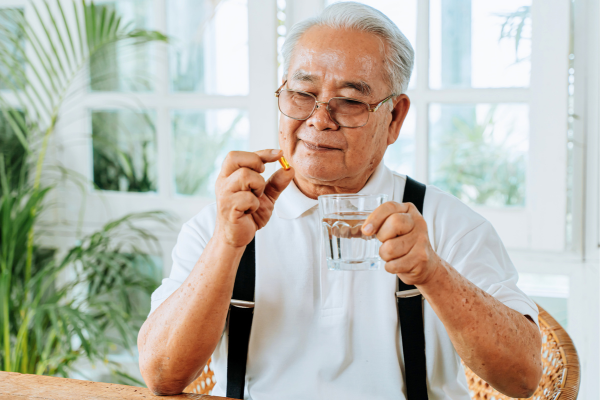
(179, 336)
(499, 344)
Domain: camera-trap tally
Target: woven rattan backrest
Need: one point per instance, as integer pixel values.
(560, 380)
(204, 383)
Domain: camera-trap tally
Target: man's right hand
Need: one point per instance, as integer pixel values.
(244, 200)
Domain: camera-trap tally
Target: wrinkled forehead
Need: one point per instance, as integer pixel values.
(326, 56)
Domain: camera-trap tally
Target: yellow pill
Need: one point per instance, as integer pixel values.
(284, 163)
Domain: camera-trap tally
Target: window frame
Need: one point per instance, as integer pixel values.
(541, 223)
(72, 143)
(547, 170)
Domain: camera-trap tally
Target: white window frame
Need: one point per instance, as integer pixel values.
(73, 142)
(540, 225)
(540, 248)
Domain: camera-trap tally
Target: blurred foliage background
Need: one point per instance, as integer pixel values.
(59, 307)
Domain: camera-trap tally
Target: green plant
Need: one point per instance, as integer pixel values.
(51, 324)
(513, 27)
(477, 167)
(124, 151)
(47, 323)
(196, 151)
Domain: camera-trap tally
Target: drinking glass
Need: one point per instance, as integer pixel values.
(342, 217)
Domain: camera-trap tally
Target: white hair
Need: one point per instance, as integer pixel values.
(398, 52)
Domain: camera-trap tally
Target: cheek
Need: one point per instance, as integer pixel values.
(287, 132)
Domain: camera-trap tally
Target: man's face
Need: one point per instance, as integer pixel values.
(339, 63)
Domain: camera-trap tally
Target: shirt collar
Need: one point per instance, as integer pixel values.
(292, 203)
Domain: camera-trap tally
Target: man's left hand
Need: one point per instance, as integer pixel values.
(405, 247)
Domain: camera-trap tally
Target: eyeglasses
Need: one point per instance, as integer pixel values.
(344, 111)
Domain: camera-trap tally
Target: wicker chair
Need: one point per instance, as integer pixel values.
(560, 380)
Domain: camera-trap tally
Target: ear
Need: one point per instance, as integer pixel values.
(399, 112)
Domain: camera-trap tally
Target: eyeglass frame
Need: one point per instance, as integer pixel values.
(317, 102)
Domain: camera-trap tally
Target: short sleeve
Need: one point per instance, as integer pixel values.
(192, 240)
(480, 256)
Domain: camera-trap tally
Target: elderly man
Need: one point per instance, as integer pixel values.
(322, 334)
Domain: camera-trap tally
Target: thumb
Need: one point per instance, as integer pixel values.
(278, 182)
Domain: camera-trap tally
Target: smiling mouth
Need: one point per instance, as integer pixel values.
(317, 147)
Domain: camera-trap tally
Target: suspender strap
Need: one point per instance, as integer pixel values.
(410, 313)
(240, 323)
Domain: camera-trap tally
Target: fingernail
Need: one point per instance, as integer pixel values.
(275, 152)
(368, 229)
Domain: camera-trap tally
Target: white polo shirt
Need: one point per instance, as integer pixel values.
(321, 334)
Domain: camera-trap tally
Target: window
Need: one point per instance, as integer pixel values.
(474, 128)
(488, 120)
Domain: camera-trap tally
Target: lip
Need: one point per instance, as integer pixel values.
(318, 147)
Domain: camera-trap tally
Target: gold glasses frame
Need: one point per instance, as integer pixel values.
(370, 107)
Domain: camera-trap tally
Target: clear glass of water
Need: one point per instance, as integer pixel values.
(342, 217)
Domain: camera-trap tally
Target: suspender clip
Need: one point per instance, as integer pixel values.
(408, 293)
(242, 303)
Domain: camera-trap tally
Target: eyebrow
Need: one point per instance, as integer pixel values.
(360, 86)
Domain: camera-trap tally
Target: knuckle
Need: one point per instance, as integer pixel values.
(247, 196)
(384, 252)
(390, 206)
(244, 173)
(230, 157)
(392, 267)
(396, 219)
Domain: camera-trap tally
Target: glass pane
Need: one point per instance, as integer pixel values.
(480, 43)
(478, 152)
(124, 144)
(9, 33)
(201, 140)
(125, 66)
(400, 156)
(404, 14)
(209, 46)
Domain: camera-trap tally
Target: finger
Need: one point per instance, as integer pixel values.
(269, 155)
(245, 179)
(278, 182)
(405, 267)
(255, 161)
(395, 224)
(380, 214)
(396, 266)
(396, 248)
(243, 203)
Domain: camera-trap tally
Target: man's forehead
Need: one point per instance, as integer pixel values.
(350, 59)
(301, 75)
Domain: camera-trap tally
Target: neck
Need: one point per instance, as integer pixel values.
(314, 188)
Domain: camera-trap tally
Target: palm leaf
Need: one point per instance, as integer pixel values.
(44, 327)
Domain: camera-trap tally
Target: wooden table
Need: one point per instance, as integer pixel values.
(20, 387)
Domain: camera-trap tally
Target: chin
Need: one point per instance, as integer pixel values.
(320, 171)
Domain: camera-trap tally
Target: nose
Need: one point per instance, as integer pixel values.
(321, 120)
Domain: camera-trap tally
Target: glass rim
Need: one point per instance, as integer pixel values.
(350, 195)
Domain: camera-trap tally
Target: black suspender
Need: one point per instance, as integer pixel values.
(240, 323)
(410, 313)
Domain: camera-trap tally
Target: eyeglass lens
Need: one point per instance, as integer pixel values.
(345, 112)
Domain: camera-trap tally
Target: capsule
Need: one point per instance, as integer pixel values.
(284, 163)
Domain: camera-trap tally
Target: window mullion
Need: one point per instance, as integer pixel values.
(546, 178)
(419, 98)
(262, 52)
